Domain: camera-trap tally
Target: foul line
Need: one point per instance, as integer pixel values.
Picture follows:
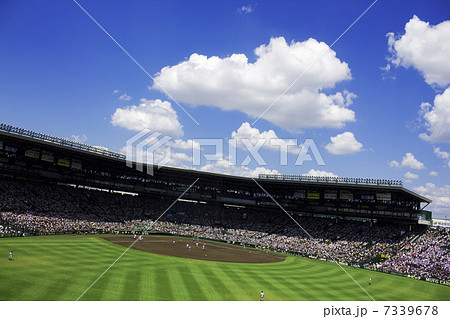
(173, 203)
(134, 60)
(323, 249)
(304, 72)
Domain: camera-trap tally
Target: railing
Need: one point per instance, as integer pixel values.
(346, 180)
(60, 141)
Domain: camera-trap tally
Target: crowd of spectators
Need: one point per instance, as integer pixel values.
(5, 229)
(43, 208)
(427, 256)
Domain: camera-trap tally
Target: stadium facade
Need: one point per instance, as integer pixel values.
(29, 156)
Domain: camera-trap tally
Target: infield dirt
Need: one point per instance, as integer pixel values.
(213, 251)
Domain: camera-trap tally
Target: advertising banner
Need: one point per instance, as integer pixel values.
(330, 195)
(32, 154)
(77, 165)
(11, 149)
(384, 196)
(299, 194)
(313, 195)
(64, 162)
(346, 195)
(47, 157)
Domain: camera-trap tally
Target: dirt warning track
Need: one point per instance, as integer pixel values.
(213, 251)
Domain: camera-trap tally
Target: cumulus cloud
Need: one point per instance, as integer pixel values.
(439, 195)
(434, 173)
(162, 156)
(125, 97)
(410, 177)
(442, 154)
(223, 166)
(437, 119)
(155, 115)
(246, 9)
(233, 83)
(394, 164)
(184, 145)
(115, 91)
(268, 139)
(344, 143)
(313, 172)
(425, 48)
(408, 161)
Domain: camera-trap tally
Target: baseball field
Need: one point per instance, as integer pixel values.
(64, 267)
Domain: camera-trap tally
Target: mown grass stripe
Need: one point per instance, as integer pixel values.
(62, 267)
(214, 280)
(193, 287)
(240, 275)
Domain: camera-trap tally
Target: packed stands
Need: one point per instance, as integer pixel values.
(45, 208)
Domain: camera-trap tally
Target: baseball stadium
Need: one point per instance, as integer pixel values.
(80, 222)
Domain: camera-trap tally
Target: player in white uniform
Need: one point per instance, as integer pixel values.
(204, 245)
(196, 245)
(10, 255)
(370, 280)
(189, 248)
(173, 242)
(134, 236)
(261, 296)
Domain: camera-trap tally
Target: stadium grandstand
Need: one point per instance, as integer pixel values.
(50, 185)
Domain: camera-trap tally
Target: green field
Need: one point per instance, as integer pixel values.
(63, 267)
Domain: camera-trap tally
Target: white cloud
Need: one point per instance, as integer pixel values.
(394, 164)
(232, 83)
(408, 161)
(79, 138)
(437, 119)
(313, 172)
(184, 145)
(155, 115)
(125, 97)
(439, 195)
(425, 48)
(175, 159)
(246, 9)
(442, 154)
(434, 173)
(268, 139)
(115, 91)
(223, 166)
(410, 177)
(344, 143)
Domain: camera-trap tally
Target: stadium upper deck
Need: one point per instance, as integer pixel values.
(28, 155)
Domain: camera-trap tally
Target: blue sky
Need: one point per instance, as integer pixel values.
(376, 104)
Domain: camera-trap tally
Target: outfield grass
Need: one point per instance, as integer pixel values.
(63, 267)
